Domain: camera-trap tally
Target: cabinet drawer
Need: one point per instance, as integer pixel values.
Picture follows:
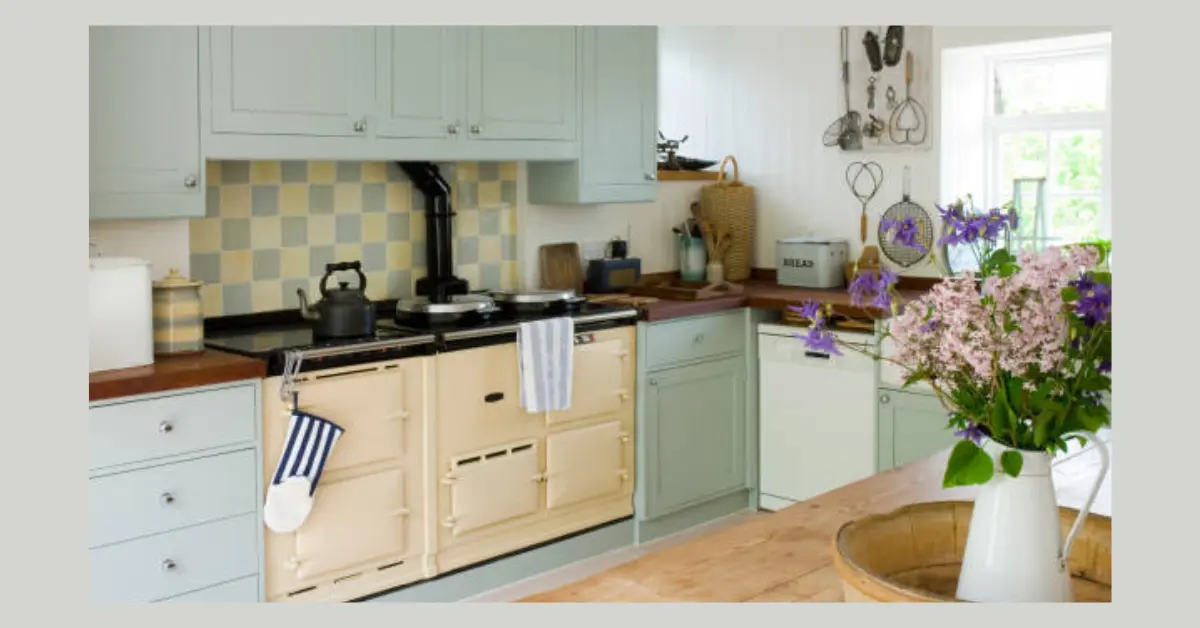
(148, 501)
(695, 338)
(164, 565)
(142, 430)
(244, 591)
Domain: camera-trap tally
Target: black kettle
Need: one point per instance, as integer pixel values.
(343, 312)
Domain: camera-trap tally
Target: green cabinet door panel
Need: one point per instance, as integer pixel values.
(695, 429)
(419, 81)
(521, 83)
(144, 123)
(912, 426)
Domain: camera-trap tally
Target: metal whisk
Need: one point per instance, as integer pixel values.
(908, 124)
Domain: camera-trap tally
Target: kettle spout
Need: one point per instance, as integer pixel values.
(307, 312)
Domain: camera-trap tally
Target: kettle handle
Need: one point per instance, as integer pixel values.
(1102, 448)
(334, 267)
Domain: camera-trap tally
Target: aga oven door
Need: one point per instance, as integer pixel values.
(493, 486)
(479, 403)
(602, 375)
(586, 463)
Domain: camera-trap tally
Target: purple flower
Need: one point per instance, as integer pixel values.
(820, 339)
(1105, 366)
(810, 309)
(973, 432)
(906, 232)
(863, 285)
(930, 326)
(1095, 300)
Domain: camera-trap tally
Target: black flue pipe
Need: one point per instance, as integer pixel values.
(439, 284)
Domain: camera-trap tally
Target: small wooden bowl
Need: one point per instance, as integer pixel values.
(914, 554)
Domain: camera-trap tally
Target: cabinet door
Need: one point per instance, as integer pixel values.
(489, 487)
(600, 378)
(695, 434)
(620, 96)
(585, 463)
(521, 83)
(419, 81)
(144, 122)
(912, 426)
(291, 80)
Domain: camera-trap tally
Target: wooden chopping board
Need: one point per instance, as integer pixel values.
(560, 267)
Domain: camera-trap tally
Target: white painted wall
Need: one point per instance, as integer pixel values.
(163, 243)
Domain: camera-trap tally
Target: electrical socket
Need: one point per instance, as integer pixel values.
(592, 250)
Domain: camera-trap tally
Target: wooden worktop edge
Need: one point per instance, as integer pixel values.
(173, 373)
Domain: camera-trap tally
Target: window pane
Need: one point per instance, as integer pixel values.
(1021, 155)
(1075, 219)
(1076, 160)
(1051, 85)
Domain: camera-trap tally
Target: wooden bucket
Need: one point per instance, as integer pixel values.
(914, 554)
(729, 206)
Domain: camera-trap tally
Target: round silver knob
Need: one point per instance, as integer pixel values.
(190, 181)
(168, 564)
(452, 129)
(653, 382)
(884, 399)
(360, 126)
(165, 427)
(697, 339)
(166, 499)
(475, 129)
(650, 176)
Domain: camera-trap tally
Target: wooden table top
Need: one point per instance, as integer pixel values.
(172, 372)
(787, 556)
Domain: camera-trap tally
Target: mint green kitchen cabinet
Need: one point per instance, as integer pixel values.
(144, 123)
(419, 81)
(618, 122)
(912, 426)
(697, 421)
(521, 83)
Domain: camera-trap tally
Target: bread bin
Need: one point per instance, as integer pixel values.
(811, 262)
(119, 314)
(178, 317)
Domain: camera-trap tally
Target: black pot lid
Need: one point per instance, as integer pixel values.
(533, 296)
(460, 304)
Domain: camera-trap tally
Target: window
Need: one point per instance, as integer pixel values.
(1046, 141)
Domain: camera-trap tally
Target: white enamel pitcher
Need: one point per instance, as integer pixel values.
(1015, 551)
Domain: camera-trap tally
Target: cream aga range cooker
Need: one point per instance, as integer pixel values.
(439, 467)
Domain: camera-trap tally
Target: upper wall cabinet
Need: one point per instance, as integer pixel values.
(144, 123)
(411, 92)
(619, 105)
(293, 80)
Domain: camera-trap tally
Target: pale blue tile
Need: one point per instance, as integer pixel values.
(508, 192)
(374, 257)
(295, 230)
(399, 284)
(489, 276)
(320, 199)
(264, 200)
(508, 248)
(489, 221)
(349, 171)
(468, 194)
(374, 197)
(235, 172)
(318, 257)
(294, 171)
(236, 298)
(267, 264)
(348, 228)
(212, 202)
(418, 254)
(399, 227)
(291, 300)
(467, 250)
(235, 234)
(206, 267)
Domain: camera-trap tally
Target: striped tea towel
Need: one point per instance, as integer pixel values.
(545, 354)
(310, 440)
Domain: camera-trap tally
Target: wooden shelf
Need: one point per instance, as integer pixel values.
(687, 175)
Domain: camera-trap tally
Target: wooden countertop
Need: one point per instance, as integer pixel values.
(787, 556)
(173, 372)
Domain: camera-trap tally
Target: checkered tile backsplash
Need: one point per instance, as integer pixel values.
(272, 226)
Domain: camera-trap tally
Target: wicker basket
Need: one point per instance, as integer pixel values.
(729, 204)
(914, 554)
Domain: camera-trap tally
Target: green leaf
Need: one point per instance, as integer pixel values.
(1041, 427)
(916, 376)
(1070, 294)
(1012, 461)
(968, 464)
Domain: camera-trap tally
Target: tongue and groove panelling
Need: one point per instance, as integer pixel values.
(271, 226)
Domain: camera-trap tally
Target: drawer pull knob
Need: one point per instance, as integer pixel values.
(541, 477)
(166, 499)
(449, 522)
(165, 427)
(400, 512)
(168, 564)
(697, 339)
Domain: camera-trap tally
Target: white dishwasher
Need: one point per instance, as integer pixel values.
(817, 425)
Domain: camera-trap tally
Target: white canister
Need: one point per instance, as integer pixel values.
(120, 323)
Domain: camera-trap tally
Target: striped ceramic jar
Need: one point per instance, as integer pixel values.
(178, 318)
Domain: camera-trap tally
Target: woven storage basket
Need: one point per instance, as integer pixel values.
(730, 204)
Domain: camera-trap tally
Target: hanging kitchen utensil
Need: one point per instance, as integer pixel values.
(890, 94)
(845, 132)
(908, 124)
(893, 43)
(874, 56)
(914, 222)
(866, 190)
(873, 127)
(871, 94)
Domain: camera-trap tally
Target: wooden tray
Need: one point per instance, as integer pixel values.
(914, 554)
(679, 290)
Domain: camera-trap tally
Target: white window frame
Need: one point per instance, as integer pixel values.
(994, 126)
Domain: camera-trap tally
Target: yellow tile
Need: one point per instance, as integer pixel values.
(266, 296)
(508, 276)
(294, 262)
(347, 253)
(399, 197)
(399, 255)
(235, 201)
(489, 249)
(266, 232)
(467, 171)
(236, 266)
(212, 173)
(509, 220)
(466, 223)
(508, 171)
(322, 171)
(321, 230)
(377, 285)
(265, 172)
(347, 198)
(293, 199)
(204, 235)
(416, 225)
(374, 227)
(314, 288)
(489, 193)
(210, 299)
(470, 272)
(374, 172)
(419, 273)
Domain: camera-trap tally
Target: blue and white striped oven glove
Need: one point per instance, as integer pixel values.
(310, 440)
